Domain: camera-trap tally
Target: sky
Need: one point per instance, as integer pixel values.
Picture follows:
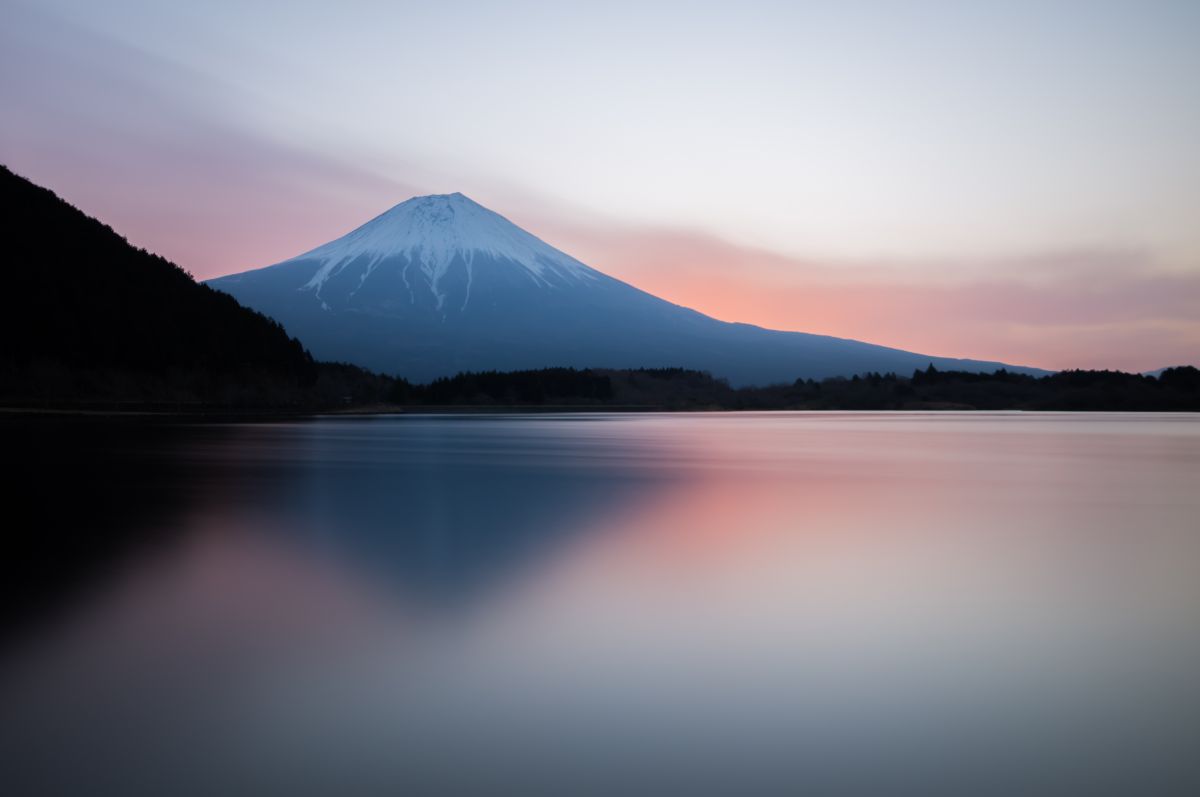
(1016, 181)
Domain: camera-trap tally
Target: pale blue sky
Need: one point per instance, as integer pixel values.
(940, 140)
(849, 128)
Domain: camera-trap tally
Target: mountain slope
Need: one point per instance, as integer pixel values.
(89, 316)
(440, 284)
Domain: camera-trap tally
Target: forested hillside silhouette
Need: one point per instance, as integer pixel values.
(88, 316)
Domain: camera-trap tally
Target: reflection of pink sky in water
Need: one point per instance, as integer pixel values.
(871, 579)
(913, 536)
(218, 606)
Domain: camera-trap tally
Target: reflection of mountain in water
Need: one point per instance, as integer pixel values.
(84, 494)
(440, 509)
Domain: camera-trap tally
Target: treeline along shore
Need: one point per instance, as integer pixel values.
(1175, 389)
(347, 388)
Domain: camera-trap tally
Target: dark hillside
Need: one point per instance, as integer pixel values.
(89, 316)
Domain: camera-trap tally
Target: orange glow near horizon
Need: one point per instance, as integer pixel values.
(1088, 310)
(1071, 310)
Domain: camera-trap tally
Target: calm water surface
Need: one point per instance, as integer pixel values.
(613, 604)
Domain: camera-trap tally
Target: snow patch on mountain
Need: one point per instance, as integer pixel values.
(430, 233)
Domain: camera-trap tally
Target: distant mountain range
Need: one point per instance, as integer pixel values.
(440, 284)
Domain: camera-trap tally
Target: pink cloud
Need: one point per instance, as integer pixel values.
(1065, 310)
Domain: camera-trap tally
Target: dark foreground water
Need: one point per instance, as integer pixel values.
(614, 604)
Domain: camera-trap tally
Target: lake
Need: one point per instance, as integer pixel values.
(784, 603)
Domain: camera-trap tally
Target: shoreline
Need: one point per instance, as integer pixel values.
(251, 415)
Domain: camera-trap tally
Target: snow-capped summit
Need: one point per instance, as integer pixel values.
(433, 233)
(440, 284)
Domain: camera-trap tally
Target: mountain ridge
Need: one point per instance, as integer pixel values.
(440, 284)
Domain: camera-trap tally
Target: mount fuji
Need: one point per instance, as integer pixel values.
(440, 284)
